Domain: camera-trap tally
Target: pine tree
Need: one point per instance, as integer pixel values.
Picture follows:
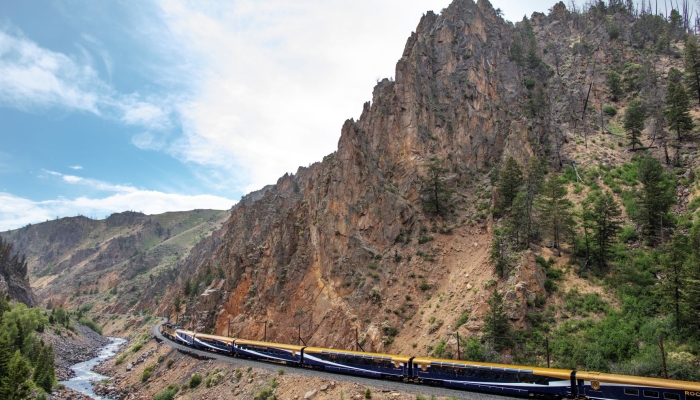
(606, 223)
(44, 375)
(614, 86)
(498, 254)
(692, 284)
(435, 195)
(656, 197)
(672, 266)
(496, 322)
(511, 179)
(557, 218)
(692, 66)
(7, 349)
(533, 187)
(16, 384)
(677, 110)
(634, 122)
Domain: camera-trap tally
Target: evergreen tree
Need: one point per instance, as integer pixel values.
(533, 187)
(496, 323)
(556, 211)
(692, 66)
(16, 384)
(7, 349)
(44, 375)
(187, 287)
(435, 195)
(656, 197)
(672, 266)
(693, 276)
(677, 110)
(498, 254)
(177, 307)
(634, 122)
(605, 223)
(614, 86)
(511, 179)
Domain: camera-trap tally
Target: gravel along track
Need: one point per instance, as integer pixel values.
(380, 384)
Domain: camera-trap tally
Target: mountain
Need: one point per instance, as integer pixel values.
(105, 264)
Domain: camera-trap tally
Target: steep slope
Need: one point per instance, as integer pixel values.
(333, 247)
(13, 275)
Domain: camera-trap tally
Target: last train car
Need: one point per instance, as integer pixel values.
(358, 363)
(219, 344)
(184, 337)
(278, 352)
(512, 380)
(600, 386)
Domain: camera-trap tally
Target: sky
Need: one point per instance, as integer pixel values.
(172, 105)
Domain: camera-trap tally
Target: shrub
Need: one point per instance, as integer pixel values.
(170, 363)
(628, 234)
(195, 380)
(425, 239)
(146, 373)
(368, 394)
(120, 359)
(167, 394)
(462, 320)
(609, 110)
(214, 380)
(529, 82)
(265, 394)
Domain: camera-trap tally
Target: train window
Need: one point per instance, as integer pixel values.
(632, 392)
(509, 377)
(672, 396)
(651, 393)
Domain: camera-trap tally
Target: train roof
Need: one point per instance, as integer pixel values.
(269, 344)
(638, 381)
(551, 372)
(215, 337)
(393, 357)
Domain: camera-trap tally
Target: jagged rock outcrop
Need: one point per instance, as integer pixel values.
(321, 247)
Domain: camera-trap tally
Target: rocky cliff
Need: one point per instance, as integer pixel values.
(344, 246)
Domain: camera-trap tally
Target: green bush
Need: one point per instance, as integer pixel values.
(265, 394)
(462, 320)
(90, 324)
(167, 394)
(628, 234)
(609, 110)
(368, 394)
(529, 82)
(146, 373)
(120, 359)
(195, 380)
(425, 239)
(170, 363)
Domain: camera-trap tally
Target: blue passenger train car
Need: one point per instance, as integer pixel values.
(278, 352)
(358, 363)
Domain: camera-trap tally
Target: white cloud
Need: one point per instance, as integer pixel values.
(272, 82)
(33, 79)
(76, 167)
(16, 212)
(92, 183)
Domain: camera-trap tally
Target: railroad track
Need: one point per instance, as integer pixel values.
(388, 386)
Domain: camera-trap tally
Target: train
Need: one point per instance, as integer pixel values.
(502, 379)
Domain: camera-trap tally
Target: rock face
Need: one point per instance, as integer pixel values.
(13, 271)
(321, 248)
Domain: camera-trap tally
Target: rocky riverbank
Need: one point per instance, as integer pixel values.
(72, 347)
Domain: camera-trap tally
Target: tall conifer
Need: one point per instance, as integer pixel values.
(692, 66)
(634, 123)
(677, 110)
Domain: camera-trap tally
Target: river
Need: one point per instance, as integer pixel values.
(84, 373)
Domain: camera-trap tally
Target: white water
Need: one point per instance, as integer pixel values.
(84, 373)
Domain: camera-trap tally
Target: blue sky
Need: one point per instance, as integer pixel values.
(173, 105)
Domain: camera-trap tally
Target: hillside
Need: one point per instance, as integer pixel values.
(105, 265)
